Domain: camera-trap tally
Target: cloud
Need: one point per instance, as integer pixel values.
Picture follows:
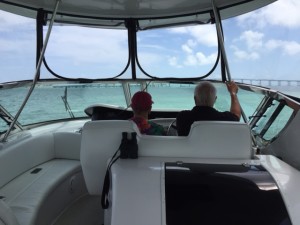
(149, 59)
(251, 41)
(206, 60)
(191, 60)
(14, 46)
(255, 46)
(191, 43)
(189, 46)
(9, 22)
(244, 55)
(187, 49)
(173, 61)
(17, 34)
(200, 59)
(197, 36)
(254, 40)
(205, 35)
(283, 13)
(8, 46)
(151, 47)
(180, 30)
(102, 46)
(288, 47)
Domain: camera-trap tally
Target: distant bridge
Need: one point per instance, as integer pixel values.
(266, 82)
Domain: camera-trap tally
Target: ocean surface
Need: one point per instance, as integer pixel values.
(46, 102)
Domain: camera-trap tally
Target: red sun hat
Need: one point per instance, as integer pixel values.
(141, 100)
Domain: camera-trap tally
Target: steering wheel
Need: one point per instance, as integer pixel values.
(173, 126)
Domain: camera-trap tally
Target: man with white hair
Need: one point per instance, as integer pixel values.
(205, 96)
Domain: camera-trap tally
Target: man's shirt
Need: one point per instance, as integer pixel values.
(187, 117)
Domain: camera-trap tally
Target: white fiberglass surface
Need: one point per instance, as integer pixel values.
(287, 179)
(139, 9)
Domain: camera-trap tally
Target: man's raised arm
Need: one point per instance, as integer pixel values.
(235, 105)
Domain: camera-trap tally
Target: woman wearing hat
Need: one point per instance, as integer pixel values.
(141, 104)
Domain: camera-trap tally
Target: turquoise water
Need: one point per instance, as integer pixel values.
(46, 101)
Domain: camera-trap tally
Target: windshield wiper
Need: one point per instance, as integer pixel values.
(67, 106)
(256, 116)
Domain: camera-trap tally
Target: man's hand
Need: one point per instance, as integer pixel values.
(232, 87)
(235, 105)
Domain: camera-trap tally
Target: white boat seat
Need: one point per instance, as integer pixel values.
(100, 140)
(7, 216)
(44, 178)
(40, 194)
(207, 139)
(222, 139)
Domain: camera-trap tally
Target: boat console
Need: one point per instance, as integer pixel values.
(165, 191)
(109, 112)
(207, 139)
(208, 177)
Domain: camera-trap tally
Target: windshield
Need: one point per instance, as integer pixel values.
(52, 101)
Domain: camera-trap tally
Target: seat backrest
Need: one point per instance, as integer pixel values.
(99, 141)
(207, 139)
(222, 139)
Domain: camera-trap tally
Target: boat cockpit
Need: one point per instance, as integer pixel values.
(69, 153)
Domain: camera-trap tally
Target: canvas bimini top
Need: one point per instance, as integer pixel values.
(149, 13)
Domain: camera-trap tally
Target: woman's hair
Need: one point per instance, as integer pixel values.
(205, 94)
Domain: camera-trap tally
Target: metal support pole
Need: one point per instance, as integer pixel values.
(36, 75)
(221, 38)
(221, 42)
(41, 21)
(127, 94)
(131, 27)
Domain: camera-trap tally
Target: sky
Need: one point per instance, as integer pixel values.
(264, 44)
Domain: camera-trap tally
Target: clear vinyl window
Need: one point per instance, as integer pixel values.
(17, 47)
(273, 120)
(189, 51)
(82, 52)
